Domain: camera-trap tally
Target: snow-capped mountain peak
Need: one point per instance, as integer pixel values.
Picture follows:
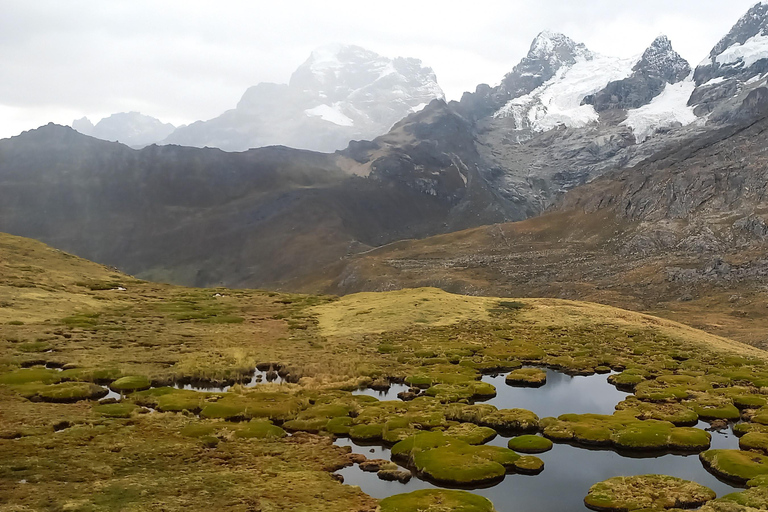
(340, 93)
(554, 46)
(549, 52)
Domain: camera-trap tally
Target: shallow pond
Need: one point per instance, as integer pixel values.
(569, 471)
(258, 377)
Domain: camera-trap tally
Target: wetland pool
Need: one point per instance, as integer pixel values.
(569, 471)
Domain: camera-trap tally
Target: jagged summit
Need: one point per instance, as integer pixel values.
(660, 60)
(554, 45)
(549, 52)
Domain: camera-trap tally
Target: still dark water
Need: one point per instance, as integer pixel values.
(569, 471)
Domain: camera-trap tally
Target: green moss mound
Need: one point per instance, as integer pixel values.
(272, 406)
(735, 465)
(472, 390)
(65, 392)
(436, 500)
(646, 492)
(501, 420)
(530, 444)
(259, 429)
(457, 465)
(130, 383)
(527, 377)
(745, 501)
(754, 441)
(675, 413)
(449, 461)
(30, 375)
(623, 431)
(116, 410)
(471, 433)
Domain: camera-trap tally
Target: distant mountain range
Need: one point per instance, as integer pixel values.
(340, 93)
(646, 142)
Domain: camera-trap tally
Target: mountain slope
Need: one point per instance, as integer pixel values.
(204, 216)
(339, 94)
(683, 234)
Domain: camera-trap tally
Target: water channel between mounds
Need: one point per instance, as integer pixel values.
(569, 471)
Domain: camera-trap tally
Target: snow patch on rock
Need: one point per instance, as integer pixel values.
(332, 114)
(753, 50)
(559, 100)
(668, 109)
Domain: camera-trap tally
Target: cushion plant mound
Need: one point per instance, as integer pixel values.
(116, 410)
(529, 465)
(749, 500)
(646, 492)
(735, 465)
(68, 392)
(471, 433)
(447, 460)
(754, 441)
(622, 430)
(675, 413)
(265, 405)
(339, 426)
(130, 383)
(448, 393)
(628, 379)
(30, 375)
(259, 429)
(511, 420)
(366, 433)
(311, 425)
(749, 401)
(740, 429)
(715, 408)
(527, 377)
(457, 465)
(436, 500)
(168, 399)
(530, 444)
(502, 420)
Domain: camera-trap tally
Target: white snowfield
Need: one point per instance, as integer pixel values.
(559, 100)
(753, 50)
(332, 114)
(668, 109)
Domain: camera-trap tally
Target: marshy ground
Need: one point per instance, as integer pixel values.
(71, 330)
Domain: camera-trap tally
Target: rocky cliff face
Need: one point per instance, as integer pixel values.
(340, 93)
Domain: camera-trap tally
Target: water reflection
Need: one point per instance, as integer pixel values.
(560, 395)
(569, 471)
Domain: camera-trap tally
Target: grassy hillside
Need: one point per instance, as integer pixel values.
(69, 327)
(595, 257)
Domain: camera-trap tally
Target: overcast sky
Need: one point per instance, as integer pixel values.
(183, 60)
